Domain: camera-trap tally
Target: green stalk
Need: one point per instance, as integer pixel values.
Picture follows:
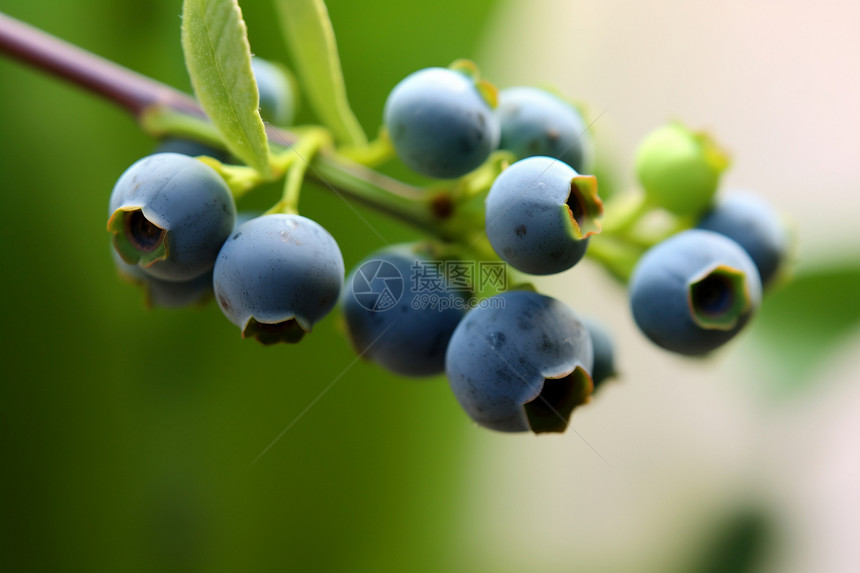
(618, 257)
(299, 157)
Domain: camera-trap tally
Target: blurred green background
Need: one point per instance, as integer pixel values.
(129, 435)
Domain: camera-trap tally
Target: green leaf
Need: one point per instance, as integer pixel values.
(218, 57)
(801, 323)
(310, 37)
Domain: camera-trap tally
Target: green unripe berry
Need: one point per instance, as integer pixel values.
(680, 169)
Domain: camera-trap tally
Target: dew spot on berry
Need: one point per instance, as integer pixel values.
(288, 237)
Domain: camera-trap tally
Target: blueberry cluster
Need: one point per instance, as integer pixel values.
(519, 360)
(516, 360)
(695, 290)
(173, 222)
(445, 122)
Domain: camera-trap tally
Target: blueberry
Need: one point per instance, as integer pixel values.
(440, 124)
(520, 362)
(172, 294)
(694, 291)
(276, 276)
(191, 148)
(396, 316)
(604, 351)
(751, 222)
(277, 102)
(166, 294)
(170, 214)
(539, 213)
(536, 122)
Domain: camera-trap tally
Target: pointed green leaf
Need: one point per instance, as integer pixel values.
(218, 57)
(310, 38)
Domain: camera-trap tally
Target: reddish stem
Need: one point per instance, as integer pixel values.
(126, 88)
(135, 92)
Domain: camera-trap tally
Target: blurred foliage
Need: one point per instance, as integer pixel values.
(801, 323)
(128, 435)
(739, 544)
(308, 32)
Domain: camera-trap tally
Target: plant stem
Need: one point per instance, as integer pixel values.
(616, 256)
(298, 160)
(623, 212)
(163, 110)
(452, 213)
(363, 185)
(106, 79)
(375, 152)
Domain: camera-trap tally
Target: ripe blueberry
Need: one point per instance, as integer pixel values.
(539, 214)
(165, 294)
(536, 122)
(694, 291)
(440, 124)
(170, 214)
(276, 276)
(396, 317)
(519, 362)
(277, 102)
(191, 148)
(751, 222)
(604, 351)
